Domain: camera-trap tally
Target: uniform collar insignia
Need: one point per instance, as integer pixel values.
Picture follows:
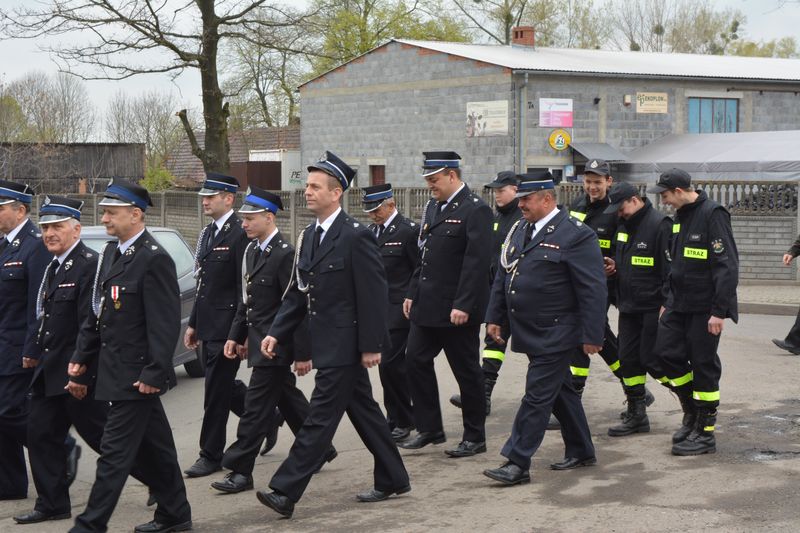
(15, 243)
(130, 250)
(226, 227)
(68, 265)
(551, 228)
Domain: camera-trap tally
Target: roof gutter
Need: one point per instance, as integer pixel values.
(655, 77)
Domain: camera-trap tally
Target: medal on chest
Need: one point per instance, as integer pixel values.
(115, 296)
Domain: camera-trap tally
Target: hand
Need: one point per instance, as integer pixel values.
(144, 388)
(493, 330)
(301, 368)
(610, 266)
(459, 318)
(370, 359)
(190, 338)
(230, 349)
(77, 390)
(590, 349)
(76, 369)
(268, 346)
(787, 259)
(29, 362)
(715, 325)
(241, 349)
(407, 307)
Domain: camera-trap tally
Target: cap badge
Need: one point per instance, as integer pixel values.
(594, 164)
(46, 201)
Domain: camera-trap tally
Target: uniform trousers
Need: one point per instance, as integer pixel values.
(548, 388)
(137, 433)
(394, 379)
(13, 427)
(461, 347)
(270, 386)
(610, 354)
(223, 394)
(340, 390)
(48, 427)
(688, 355)
(793, 337)
(637, 339)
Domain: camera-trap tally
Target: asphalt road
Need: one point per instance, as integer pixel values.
(751, 484)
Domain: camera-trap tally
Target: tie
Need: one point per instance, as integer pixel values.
(441, 205)
(51, 273)
(257, 255)
(212, 233)
(3, 244)
(117, 255)
(528, 234)
(317, 237)
(380, 229)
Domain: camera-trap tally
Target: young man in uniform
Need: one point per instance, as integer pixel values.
(267, 280)
(702, 294)
(642, 266)
(397, 240)
(218, 264)
(506, 215)
(132, 335)
(339, 268)
(446, 304)
(552, 290)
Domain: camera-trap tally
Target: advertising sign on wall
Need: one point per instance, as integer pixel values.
(652, 103)
(487, 119)
(555, 112)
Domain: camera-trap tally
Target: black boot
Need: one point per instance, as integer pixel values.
(701, 440)
(635, 420)
(648, 401)
(689, 415)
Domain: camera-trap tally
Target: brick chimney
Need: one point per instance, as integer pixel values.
(523, 36)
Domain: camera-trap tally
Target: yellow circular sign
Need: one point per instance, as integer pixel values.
(559, 139)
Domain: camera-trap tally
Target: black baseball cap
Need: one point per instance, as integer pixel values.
(619, 193)
(597, 166)
(504, 178)
(673, 178)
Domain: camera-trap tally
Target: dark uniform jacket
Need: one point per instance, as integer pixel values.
(603, 224)
(267, 276)
(453, 272)
(22, 264)
(504, 218)
(642, 260)
(346, 299)
(794, 251)
(400, 254)
(555, 298)
(219, 288)
(139, 321)
(66, 305)
(705, 262)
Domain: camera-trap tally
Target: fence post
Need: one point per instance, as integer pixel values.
(163, 208)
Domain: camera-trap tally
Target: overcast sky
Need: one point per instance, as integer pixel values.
(764, 22)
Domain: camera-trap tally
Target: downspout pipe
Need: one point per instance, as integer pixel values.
(521, 127)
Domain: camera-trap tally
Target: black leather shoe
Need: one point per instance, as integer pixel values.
(272, 434)
(783, 345)
(277, 502)
(154, 526)
(375, 495)
(467, 448)
(330, 456)
(455, 399)
(422, 439)
(35, 517)
(202, 467)
(151, 499)
(234, 482)
(508, 474)
(571, 462)
(72, 463)
(399, 434)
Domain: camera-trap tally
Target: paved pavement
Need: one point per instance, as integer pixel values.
(751, 484)
(769, 299)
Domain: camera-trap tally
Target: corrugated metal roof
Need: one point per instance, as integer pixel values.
(611, 62)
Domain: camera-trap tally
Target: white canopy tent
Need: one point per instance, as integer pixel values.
(751, 156)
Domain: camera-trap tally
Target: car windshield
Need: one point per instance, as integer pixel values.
(172, 242)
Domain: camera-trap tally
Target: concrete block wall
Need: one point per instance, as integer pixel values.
(762, 241)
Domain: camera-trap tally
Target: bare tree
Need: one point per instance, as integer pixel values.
(123, 38)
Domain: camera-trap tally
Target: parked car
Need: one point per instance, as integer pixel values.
(95, 237)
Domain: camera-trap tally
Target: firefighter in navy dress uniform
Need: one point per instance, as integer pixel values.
(552, 290)
(446, 304)
(23, 259)
(397, 239)
(131, 337)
